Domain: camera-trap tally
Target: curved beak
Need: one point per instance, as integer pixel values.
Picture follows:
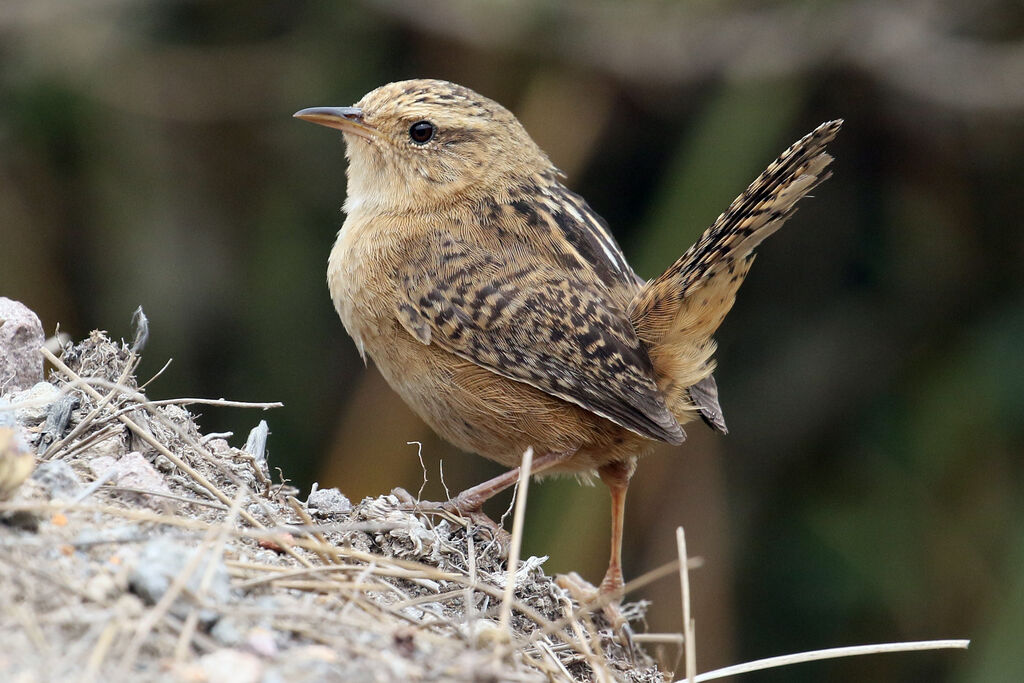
(345, 119)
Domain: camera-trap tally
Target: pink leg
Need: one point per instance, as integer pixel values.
(469, 503)
(472, 499)
(616, 476)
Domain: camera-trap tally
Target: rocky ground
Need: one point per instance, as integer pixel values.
(135, 547)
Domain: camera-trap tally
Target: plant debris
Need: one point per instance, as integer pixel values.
(142, 549)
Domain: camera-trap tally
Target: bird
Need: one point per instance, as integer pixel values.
(497, 303)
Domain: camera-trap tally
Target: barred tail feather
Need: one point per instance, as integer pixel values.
(676, 314)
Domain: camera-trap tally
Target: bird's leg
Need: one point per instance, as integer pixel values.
(616, 476)
(472, 499)
(470, 502)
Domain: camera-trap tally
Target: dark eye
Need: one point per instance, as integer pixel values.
(422, 132)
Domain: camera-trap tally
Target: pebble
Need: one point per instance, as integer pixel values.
(326, 502)
(21, 336)
(131, 470)
(33, 404)
(159, 564)
(231, 666)
(59, 480)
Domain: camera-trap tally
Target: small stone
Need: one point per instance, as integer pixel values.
(271, 544)
(129, 606)
(113, 446)
(59, 480)
(257, 511)
(160, 562)
(21, 336)
(231, 666)
(262, 641)
(32, 404)
(101, 587)
(132, 470)
(229, 631)
(326, 502)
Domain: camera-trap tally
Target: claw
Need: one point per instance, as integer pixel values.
(586, 594)
(458, 510)
(403, 496)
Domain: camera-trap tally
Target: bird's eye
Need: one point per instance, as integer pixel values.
(422, 132)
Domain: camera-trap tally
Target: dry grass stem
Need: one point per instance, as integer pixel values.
(147, 551)
(689, 641)
(831, 653)
(517, 538)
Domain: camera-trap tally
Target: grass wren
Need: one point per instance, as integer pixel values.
(499, 306)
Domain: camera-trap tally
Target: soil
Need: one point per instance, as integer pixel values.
(141, 549)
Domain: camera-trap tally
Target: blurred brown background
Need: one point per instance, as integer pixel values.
(872, 374)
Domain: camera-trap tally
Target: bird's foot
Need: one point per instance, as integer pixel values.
(472, 511)
(404, 497)
(462, 509)
(607, 598)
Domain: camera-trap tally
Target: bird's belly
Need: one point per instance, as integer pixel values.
(485, 413)
(473, 408)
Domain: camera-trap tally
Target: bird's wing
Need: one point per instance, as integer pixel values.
(534, 324)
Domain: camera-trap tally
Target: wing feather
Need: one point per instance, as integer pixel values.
(534, 324)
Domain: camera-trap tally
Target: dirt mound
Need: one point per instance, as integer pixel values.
(142, 549)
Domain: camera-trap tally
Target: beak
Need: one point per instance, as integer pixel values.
(345, 119)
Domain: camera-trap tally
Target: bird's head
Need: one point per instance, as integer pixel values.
(423, 144)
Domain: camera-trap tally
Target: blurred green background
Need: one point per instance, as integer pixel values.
(872, 373)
